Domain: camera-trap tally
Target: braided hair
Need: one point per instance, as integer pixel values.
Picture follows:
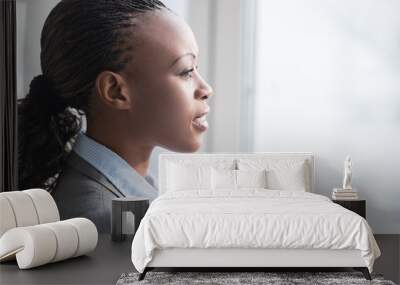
(79, 40)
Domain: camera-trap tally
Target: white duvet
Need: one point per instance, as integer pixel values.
(251, 218)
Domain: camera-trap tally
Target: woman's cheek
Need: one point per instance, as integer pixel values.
(182, 114)
(172, 101)
(181, 96)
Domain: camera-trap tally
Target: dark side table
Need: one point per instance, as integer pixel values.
(357, 206)
(136, 205)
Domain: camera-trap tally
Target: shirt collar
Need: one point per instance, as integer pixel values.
(124, 177)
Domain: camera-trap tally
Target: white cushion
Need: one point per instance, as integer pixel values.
(183, 177)
(230, 179)
(287, 179)
(40, 244)
(282, 174)
(26, 208)
(85, 228)
(251, 178)
(31, 232)
(223, 179)
(67, 237)
(31, 246)
(7, 218)
(45, 205)
(23, 208)
(168, 179)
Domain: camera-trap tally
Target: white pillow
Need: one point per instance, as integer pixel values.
(282, 174)
(229, 179)
(183, 177)
(223, 179)
(287, 179)
(251, 178)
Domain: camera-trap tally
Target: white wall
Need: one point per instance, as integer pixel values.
(328, 82)
(225, 124)
(30, 19)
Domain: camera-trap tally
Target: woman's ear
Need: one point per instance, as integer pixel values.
(113, 90)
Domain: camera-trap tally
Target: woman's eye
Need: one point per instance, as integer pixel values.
(188, 73)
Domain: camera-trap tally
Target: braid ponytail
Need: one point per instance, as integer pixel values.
(45, 125)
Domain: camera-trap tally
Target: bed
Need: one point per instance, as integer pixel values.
(247, 210)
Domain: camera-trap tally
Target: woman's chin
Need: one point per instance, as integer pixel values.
(191, 145)
(190, 142)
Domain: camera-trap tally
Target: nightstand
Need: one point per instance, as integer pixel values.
(357, 206)
(136, 205)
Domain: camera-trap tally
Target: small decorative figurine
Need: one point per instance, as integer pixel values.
(347, 174)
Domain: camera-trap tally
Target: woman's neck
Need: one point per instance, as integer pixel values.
(135, 153)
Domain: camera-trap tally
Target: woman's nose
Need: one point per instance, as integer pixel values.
(205, 91)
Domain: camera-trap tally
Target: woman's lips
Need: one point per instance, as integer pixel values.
(200, 123)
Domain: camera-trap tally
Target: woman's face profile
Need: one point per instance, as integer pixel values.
(165, 86)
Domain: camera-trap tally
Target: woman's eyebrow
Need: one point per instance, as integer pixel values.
(186, 54)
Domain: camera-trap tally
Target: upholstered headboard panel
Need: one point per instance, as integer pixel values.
(230, 161)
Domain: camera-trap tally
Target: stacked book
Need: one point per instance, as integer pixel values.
(344, 194)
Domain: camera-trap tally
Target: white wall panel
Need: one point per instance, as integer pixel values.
(328, 82)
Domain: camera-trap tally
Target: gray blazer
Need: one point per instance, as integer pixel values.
(83, 191)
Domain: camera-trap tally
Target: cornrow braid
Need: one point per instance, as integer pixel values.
(79, 40)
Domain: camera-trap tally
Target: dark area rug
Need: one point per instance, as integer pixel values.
(273, 278)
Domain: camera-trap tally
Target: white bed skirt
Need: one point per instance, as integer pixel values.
(252, 257)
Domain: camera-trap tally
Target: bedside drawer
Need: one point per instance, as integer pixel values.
(357, 206)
